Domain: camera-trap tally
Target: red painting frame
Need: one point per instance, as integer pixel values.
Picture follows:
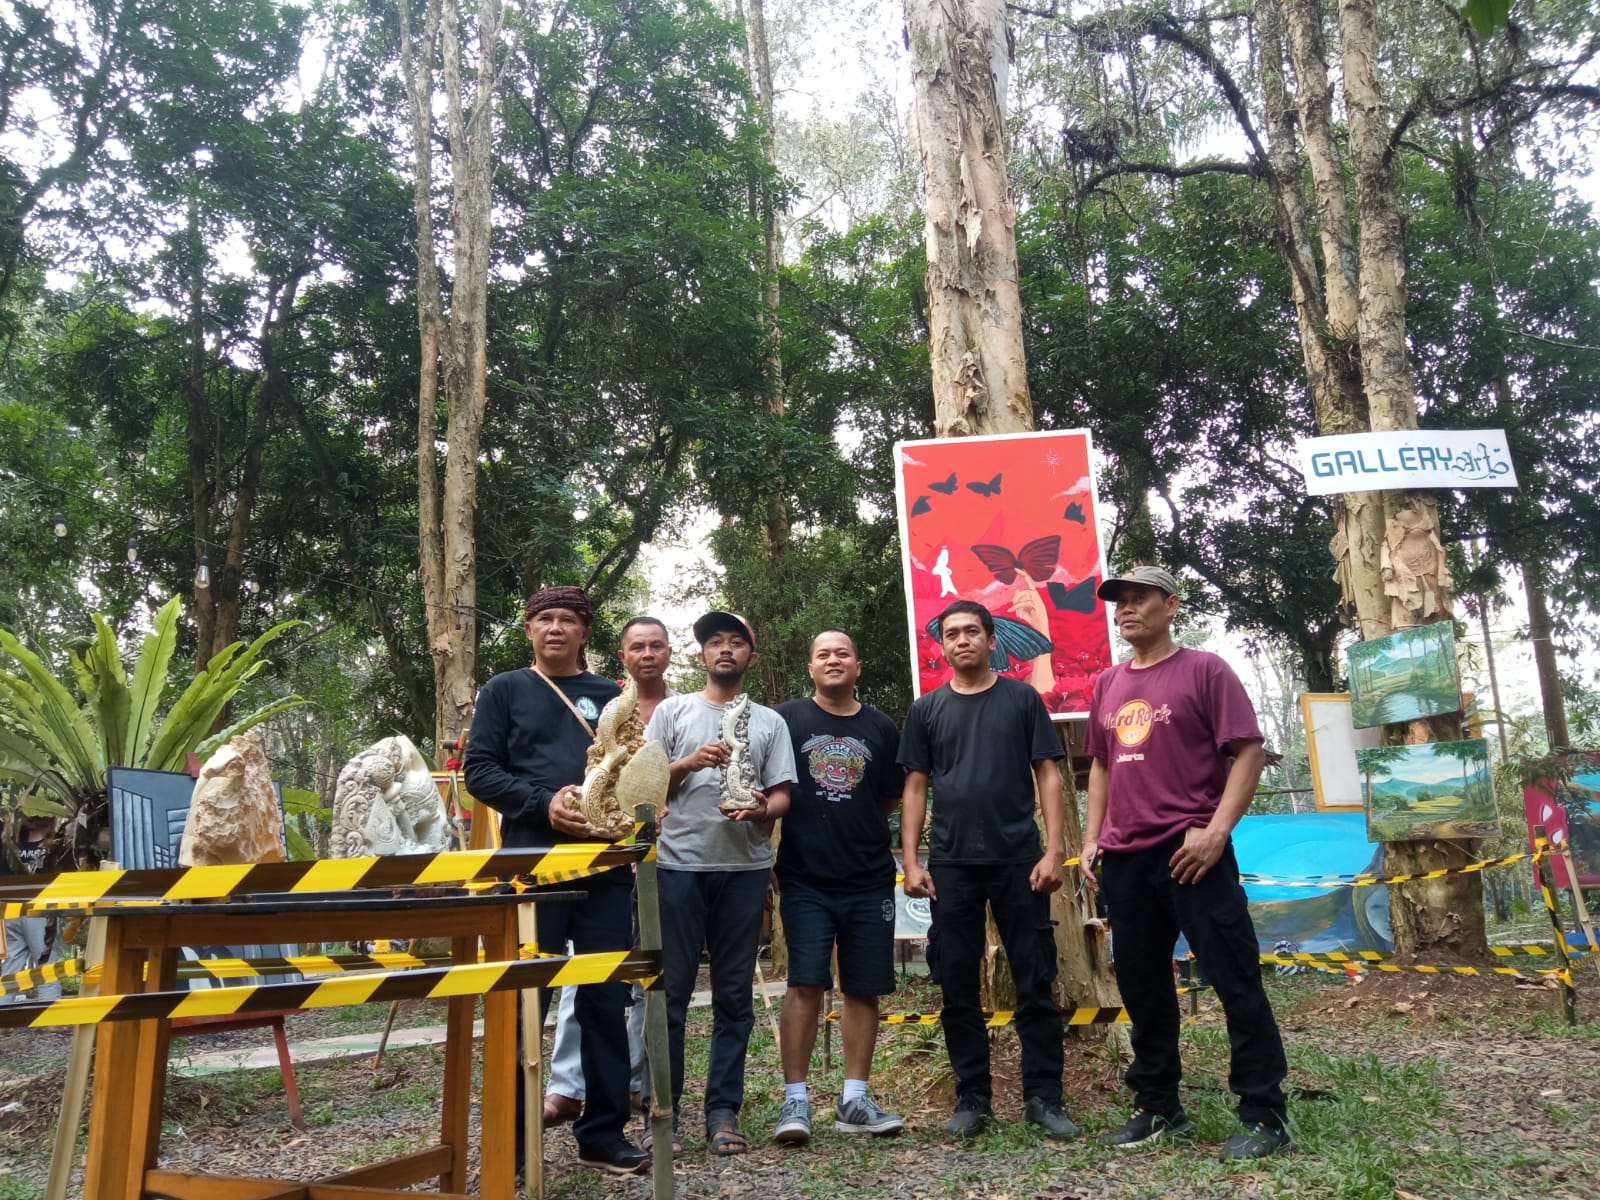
(1010, 521)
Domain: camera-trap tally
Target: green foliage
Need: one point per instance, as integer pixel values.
(59, 747)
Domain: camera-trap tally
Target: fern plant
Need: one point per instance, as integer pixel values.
(57, 747)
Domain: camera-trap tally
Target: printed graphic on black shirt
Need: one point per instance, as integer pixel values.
(837, 764)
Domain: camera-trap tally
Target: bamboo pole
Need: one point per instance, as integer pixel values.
(657, 1052)
(1547, 886)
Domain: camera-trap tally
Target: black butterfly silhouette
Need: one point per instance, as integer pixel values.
(921, 506)
(1038, 558)
(1079, 598)
(947, 488)
(1075, 513)
(992, 488)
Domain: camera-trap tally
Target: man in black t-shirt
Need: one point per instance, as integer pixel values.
(835, 870)
(984, 743)
(531, 731)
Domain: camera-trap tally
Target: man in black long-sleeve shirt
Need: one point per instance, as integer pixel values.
(525, 758)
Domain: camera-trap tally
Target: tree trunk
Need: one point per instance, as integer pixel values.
(199, 444)
(448, 548)
(1540, 631)
(1447, 913)
(959, 66)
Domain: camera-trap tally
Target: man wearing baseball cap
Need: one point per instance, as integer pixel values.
(714, 865)
(526, 756)
(1176, 754)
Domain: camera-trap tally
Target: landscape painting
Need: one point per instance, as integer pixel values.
(1404, 676)
(1429, 790)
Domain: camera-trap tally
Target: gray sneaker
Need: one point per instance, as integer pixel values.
(862, 1115)
(794, 1123)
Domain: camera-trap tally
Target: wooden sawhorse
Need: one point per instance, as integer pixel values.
(131, 1067)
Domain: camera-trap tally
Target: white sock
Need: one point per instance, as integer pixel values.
(796, 1091)
(854, 1089)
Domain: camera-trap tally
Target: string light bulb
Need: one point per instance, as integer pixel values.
(252, 584)
(133, 550)
(202, 573)
(61, 525)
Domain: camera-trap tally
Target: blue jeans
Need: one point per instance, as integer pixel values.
(602, 921)
(721, 912)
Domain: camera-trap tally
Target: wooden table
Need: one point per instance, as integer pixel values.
(131, 1066)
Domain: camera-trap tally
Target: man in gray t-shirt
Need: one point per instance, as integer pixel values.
(715, 865)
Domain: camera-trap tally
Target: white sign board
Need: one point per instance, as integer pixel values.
(1406, 458)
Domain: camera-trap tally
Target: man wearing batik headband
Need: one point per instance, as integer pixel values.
(525, 758)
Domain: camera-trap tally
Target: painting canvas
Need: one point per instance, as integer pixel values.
(1331, 744)
(1570, 814)
(1316, 919)
(1405, 676)
(1011, 523)
(1429, 790)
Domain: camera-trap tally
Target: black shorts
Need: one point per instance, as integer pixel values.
(861, 922)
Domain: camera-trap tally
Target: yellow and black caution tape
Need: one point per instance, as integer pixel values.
(1368, 880)
(468, 979)
(1360, 957)
(26, 981)
(538, 866)
(1003, 1017)
(1396, 968)
(1362, 879)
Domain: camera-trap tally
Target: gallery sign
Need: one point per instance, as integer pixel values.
(1406, 458)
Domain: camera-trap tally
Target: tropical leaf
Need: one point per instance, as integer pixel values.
(107, 692)
(43, 806)
(48, 713)
(150, 680)
(189, 720)
(300, 850)
(265, 713)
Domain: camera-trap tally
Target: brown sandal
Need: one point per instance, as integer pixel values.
(725, 1139)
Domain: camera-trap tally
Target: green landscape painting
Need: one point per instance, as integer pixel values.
(1404, 676)
(1431, 790)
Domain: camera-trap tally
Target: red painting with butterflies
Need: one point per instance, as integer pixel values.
(1009, 522)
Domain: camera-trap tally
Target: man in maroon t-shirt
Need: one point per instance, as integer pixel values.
(1176, 756)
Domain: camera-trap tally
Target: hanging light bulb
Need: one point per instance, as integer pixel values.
(252, 584)
(133, 550)
(61, 525)
(202, 573)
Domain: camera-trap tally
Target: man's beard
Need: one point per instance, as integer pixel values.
(726, 672)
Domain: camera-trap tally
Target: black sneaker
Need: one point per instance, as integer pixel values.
(1255, 1141)
(624, 1158)
(972, 1113)
(1146, 1128)
(1044, 1115)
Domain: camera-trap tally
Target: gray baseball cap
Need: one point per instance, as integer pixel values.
(1156, 577)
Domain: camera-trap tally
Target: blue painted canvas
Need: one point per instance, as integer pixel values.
(1317, 919)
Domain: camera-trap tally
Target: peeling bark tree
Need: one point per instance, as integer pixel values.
(960, 58)
(452, 343)
(959, 64)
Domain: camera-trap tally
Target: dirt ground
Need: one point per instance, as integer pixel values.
(1400, 1087)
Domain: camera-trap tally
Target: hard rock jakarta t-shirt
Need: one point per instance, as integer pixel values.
(1163, 733)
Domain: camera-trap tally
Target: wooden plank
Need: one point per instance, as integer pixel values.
(455, 1109)
(497, 1109)
(331, 1191)
(400, 1171)
(157, 928)
(77, 1086)
(187, 1185)
(146, 1090)
(107, 1172)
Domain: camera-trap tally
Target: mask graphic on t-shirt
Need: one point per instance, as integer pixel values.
(587, 707)
(837, 764)
(1133, 722)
